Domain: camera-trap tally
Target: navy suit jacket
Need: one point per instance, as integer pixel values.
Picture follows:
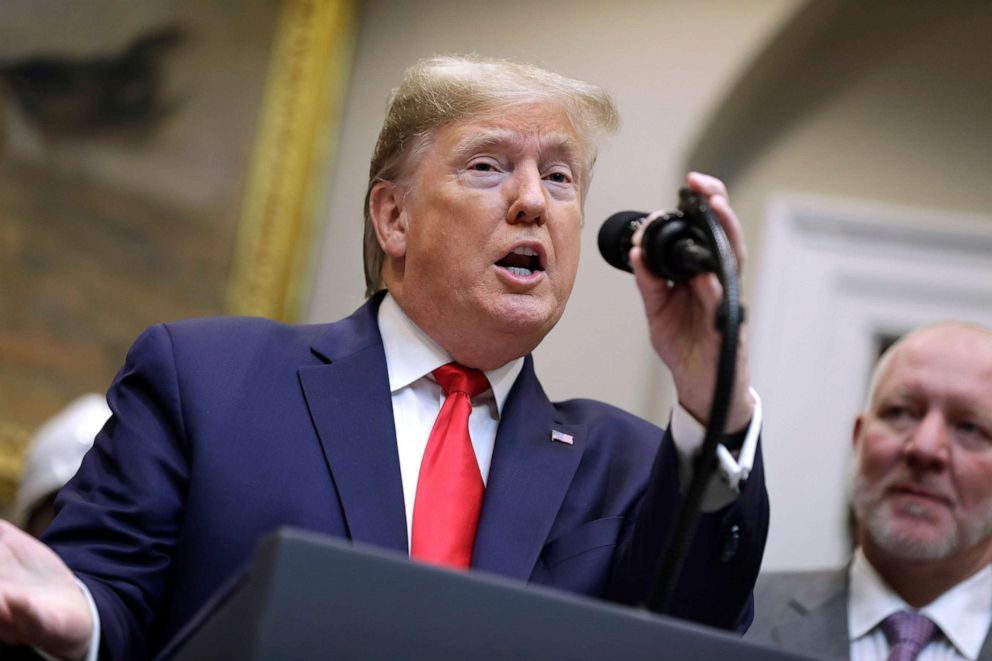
(226, 428)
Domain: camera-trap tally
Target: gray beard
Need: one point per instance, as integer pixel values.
(875, 518)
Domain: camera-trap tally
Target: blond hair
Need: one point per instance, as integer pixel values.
(441, 90)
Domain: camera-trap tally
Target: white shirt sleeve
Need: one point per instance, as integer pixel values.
(725, 485)
(94, 648)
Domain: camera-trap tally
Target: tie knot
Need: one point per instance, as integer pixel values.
(458, 378)
(907, 630)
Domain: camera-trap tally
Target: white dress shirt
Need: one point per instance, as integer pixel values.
(94, 648)
(963, 614)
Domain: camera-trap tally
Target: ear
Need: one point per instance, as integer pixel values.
(386, 210)
(859, 424)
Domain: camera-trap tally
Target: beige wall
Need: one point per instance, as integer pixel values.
(911, 127)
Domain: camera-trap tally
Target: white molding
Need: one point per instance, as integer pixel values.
(834, 275)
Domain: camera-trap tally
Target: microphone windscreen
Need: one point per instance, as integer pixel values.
(615, 236)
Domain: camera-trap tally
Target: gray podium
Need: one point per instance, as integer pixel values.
(314, 597)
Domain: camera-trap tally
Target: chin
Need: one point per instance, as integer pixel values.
(913, 533)
(913, 540)
(523, 315)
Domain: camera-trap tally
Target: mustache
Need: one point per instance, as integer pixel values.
(906, 481)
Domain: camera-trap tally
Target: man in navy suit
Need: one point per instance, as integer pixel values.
(226, 428)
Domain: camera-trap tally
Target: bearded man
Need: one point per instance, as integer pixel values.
(920, 582)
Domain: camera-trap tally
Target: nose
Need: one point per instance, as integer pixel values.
(928, 446)
(527, 196)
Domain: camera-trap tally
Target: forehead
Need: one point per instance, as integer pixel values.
(544, 125)
(953, 362)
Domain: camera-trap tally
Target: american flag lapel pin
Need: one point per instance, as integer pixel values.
(561, 437)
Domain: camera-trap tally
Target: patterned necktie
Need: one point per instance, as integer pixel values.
(449, 489)
(907, 633)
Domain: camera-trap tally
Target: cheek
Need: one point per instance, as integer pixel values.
(974, 484)
(567, 240)
(878, 455)
(570, 259)
(568, 264)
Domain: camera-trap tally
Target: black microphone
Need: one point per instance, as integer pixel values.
(675, 248)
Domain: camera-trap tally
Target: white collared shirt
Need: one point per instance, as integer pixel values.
(963, 613)
(411, 355)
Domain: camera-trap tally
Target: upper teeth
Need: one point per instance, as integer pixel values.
(525, 251)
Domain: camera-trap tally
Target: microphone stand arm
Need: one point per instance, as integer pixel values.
(728, 321)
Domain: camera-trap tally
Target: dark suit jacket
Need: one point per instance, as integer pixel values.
(227, 428)
(807, 612)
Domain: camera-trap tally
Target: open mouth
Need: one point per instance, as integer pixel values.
(522, 261)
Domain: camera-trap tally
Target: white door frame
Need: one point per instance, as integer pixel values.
(835, 275)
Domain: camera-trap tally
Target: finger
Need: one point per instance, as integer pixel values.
(708, 291)
(635, 238)
(54, 623)
(642, 274)
(706, 184)
(719, 200)
(654, 290)
(15, 622)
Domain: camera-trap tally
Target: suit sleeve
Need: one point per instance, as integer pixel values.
(118, 519)
(722, 562)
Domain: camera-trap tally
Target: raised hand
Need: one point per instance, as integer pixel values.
(41, 605)
(681, 319)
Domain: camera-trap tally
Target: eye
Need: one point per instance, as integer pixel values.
(893, 412)
(483, 165)
(558, 173)
(974, 432)
(898, 414)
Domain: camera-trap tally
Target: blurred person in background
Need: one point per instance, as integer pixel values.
(920, 583)
(53, 457)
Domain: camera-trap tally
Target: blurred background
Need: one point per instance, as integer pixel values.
(168, 159)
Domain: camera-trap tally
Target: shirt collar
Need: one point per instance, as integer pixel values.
(871, 600)
(963, 613)
(411, 354)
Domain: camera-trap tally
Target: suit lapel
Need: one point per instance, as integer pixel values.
(985, 654)
(818, 622)
(352, 412)
(528, 478)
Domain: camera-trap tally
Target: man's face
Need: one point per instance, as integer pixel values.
(923, 488)
(492, 217)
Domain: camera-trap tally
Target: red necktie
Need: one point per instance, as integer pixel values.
(449, 489)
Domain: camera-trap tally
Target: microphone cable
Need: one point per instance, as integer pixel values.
(728, 320)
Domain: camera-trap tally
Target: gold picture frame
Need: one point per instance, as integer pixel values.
(307, 81)
(270, 259)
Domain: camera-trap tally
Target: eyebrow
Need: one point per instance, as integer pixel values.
(555, 142)
(953, 403)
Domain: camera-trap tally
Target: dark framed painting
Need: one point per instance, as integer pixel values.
(158, 160)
